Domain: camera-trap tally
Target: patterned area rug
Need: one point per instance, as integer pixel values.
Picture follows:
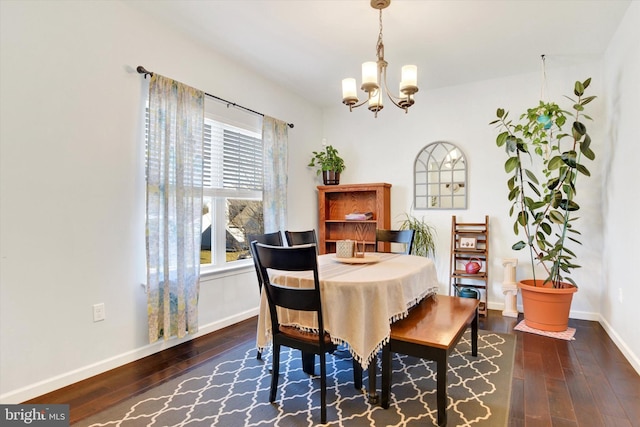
(567, 335)
(232, 390)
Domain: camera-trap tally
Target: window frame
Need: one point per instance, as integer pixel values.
(218, 198)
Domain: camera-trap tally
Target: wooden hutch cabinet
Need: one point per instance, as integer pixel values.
(337, 201)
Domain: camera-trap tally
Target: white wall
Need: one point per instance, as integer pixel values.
(72, 185)
(620, 201)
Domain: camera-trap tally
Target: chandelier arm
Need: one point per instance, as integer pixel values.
(391, 96)
(359, 105)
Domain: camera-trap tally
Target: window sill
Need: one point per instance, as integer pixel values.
(239, 267)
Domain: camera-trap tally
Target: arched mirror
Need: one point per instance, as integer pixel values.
(440, 177)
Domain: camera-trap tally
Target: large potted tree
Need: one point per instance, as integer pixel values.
(545, 164)
(329, 163)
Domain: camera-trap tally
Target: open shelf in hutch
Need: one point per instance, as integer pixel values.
(336, 201)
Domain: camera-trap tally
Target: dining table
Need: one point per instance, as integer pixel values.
(361, 298)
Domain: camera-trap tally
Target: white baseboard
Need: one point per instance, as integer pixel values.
(580, 315)
(63, 380)
(634, 359)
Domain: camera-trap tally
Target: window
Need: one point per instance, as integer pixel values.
(440, 177)
(233, 178)
(232, 191)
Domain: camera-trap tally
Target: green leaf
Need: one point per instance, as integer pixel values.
(511, 164)
(502, 138)
(555, 162)
(537, 205)
(546, 228)
(578, 90)
(579, 128)
(587, 100)
(519, 245)
(586, 83)
(523, 217)
(583, 169)
(534, 189)
(513, 194)
(528, 201)
(553, 183)
(500, 113)
(531, 176)
(556, 217)
(569, 158)
(569, 205)
(573, 240)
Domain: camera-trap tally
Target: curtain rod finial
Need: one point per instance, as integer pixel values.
(141, 70)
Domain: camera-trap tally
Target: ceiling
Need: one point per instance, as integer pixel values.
(309, 46)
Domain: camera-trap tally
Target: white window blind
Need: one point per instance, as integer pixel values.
(233, 156)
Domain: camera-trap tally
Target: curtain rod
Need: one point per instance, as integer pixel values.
(142, 70)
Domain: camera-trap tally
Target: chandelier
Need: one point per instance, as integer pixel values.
(374, 76)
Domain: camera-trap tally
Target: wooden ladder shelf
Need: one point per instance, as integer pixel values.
(470, 242)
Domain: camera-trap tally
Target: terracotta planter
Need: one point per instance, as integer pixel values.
(546, 308)
(331, 177)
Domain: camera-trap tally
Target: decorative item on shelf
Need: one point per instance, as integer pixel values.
(468, 242)
(468, 293)
(543, 192)
(359, 254)
(359, 216)
(329, 163)
(374, 77)
(345, 248)
(473, 267)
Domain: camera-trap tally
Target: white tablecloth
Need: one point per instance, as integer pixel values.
(359, 301)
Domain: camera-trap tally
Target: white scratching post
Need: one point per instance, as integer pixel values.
(509, 287)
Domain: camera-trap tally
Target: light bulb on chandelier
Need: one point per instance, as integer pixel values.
(374, 76)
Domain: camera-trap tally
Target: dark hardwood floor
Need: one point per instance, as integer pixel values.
(586, 382)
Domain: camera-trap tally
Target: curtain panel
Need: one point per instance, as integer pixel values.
(275, 160)
(174, 207)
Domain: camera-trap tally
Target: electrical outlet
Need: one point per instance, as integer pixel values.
(98, 312)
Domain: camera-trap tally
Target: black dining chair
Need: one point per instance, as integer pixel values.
(301, 238)
(396, 236)
(297, 258)
(273, 239)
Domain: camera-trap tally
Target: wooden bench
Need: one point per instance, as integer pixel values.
(431, 331)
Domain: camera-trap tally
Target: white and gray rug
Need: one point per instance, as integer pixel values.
(232, 390)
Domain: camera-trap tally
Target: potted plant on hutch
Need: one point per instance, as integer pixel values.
(329, 163)
(544, 165)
